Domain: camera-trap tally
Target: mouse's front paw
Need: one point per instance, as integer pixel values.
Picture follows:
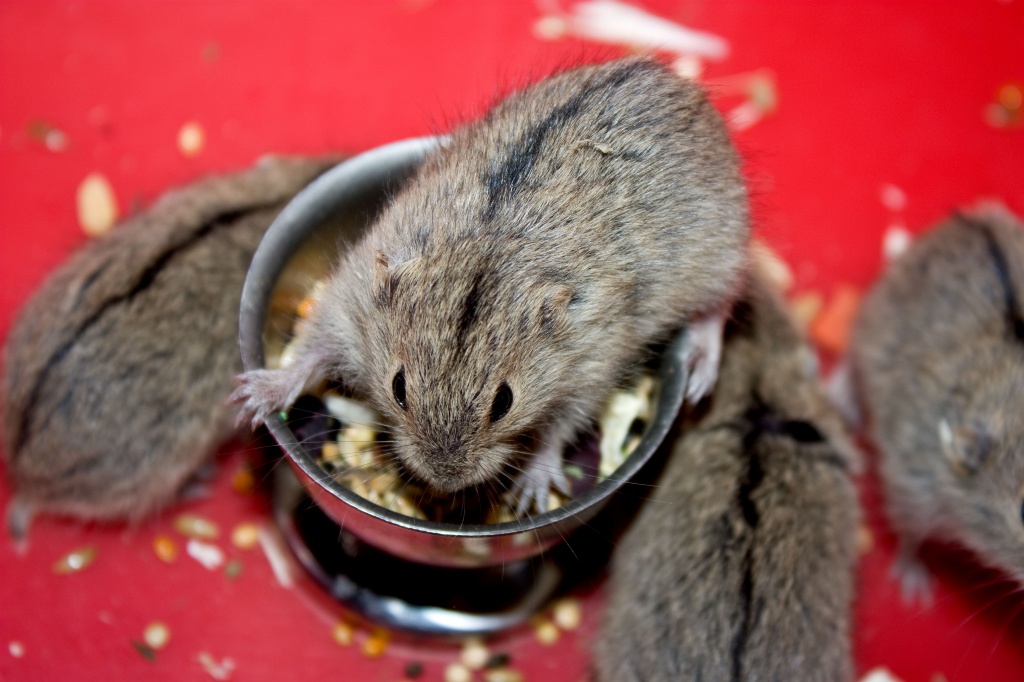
(259, 395)
(532, 488)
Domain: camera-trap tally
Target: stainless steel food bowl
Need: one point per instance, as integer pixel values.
(331, 211)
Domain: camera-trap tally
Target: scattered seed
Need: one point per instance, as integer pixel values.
(503, 675)
(880, 674)
(550, 28)
(475, 654)
(896, 240)
(245, 536)
(342, 633)
(499, 660)
(75, 561)
(211, 52)
(218, 671)
(210, 556)
(892, 197)
(574, 471)
(51, 137)
(865, 540)
(772, 265)
(806, 307)
(144, 650)
(545, 630)
(244, 482)
(16, 648)
(156, 635)
(191, 139)
(1011, 97)
(305, 307)
(567, 613)
(194, 526)
(165, 549)
(97, 205)
(376, 643)
(414, 670)
(456, 672)
(233, 569)
(831, 328)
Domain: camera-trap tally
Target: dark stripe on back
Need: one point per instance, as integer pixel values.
(470, 310)
(145, 279)
(505, 181)
(1014, 320)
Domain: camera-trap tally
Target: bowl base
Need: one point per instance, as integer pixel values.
(405, 595)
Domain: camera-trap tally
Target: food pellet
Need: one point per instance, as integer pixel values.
(414, 670)
(243, 482)
(456, 672)
(144, 650)
(75, 561)
(546, 632)
(831, 329)
(210, 556)
(17, 649)
(499, 660)
(376, 643)
(196, 527)
(97, 205)
(156, 635)
(567, 613)
(233, 569)
(191, 139)
(503, 675)
(342, 633)
(245, 536)
(806, 307)
(474, 654)
(165, 549)
(865, 540)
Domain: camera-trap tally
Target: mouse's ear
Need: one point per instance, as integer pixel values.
(554, 308)
(383, 281)
(966, 447)
(386, 275)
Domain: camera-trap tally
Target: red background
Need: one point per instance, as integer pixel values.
(869, 94)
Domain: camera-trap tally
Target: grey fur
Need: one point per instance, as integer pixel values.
(118, 368)
(937, 352)
(741, 565)
(544, 247)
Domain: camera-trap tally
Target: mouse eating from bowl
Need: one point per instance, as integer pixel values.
(522, 273)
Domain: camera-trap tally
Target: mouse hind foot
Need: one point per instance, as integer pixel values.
(703, 355)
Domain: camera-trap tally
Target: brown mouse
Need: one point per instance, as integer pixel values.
(741, 565)
(117, 370)
(938, 364)
(519, 276)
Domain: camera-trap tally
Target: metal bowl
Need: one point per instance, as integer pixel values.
(334, 209)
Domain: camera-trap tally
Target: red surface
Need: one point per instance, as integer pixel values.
(870, 94)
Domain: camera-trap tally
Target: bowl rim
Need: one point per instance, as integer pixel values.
(300, 218)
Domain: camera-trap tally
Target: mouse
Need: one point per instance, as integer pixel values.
(520, 275)
(937, 359)
(117, 369)
(741, 564)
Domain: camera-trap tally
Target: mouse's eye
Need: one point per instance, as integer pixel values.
(398, 388)
(502, 403)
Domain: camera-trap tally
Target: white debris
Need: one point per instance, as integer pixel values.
(210, 556)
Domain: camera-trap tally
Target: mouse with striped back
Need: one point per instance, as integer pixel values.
(938, 361)
(518, 278)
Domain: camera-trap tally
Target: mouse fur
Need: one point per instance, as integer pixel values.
(518, 277)
(117, 370)
(938, 361)
(740, 566)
